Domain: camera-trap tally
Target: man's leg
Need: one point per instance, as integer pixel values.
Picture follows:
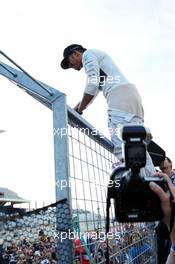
(149, 168)
(115, 121)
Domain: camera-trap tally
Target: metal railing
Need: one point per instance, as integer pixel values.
(91, 160)
(83, 160)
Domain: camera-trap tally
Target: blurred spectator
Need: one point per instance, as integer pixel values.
(166, 167)
(80, 252)
(122, 257)
(99, 256)
(139, 251)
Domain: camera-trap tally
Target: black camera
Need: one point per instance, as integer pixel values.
(134, 201)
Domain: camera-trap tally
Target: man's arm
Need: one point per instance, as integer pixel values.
(87, 98)
(92, 70)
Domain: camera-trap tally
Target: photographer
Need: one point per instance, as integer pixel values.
(166, 207)
(163, 238)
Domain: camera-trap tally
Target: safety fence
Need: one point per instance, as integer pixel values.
(90, 157)
(91, 161)
(83, 161)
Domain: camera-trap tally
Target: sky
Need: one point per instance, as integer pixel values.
(139, 36)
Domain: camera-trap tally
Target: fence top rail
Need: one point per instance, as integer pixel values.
(75, 120)
(47, 95)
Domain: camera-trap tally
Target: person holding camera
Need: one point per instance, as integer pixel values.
(163, 237)
(123, 99)
(168, 210)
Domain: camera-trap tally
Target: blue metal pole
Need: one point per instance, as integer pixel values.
(63, 195)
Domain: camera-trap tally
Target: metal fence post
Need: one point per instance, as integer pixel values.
(63, 208)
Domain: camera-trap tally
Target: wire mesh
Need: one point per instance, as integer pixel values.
(90, 167)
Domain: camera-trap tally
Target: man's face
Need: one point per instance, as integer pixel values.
(75, 60)
(167, 167)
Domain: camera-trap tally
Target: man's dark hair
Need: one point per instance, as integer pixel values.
(68, 51)
(162, 162)
(81, 49)
(168, 159)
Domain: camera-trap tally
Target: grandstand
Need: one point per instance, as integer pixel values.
(9, 203)
(9, 196)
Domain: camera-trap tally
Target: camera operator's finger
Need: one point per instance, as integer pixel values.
(164, 198)
(160, 174)
(169, 182)
(160, 192)
(170, 185)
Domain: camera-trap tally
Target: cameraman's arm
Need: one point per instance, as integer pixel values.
(166, 207)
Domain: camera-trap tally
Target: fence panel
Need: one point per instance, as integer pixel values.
(91, 160)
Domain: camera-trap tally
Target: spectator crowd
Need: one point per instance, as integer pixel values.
(134, 245)
(42, 251)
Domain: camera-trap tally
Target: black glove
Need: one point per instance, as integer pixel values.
(80, 113)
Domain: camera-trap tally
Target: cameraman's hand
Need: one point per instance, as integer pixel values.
(165, 201)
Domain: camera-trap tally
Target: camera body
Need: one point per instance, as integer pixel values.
(134, 201)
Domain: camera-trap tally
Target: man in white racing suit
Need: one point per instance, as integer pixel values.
(123, 100)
